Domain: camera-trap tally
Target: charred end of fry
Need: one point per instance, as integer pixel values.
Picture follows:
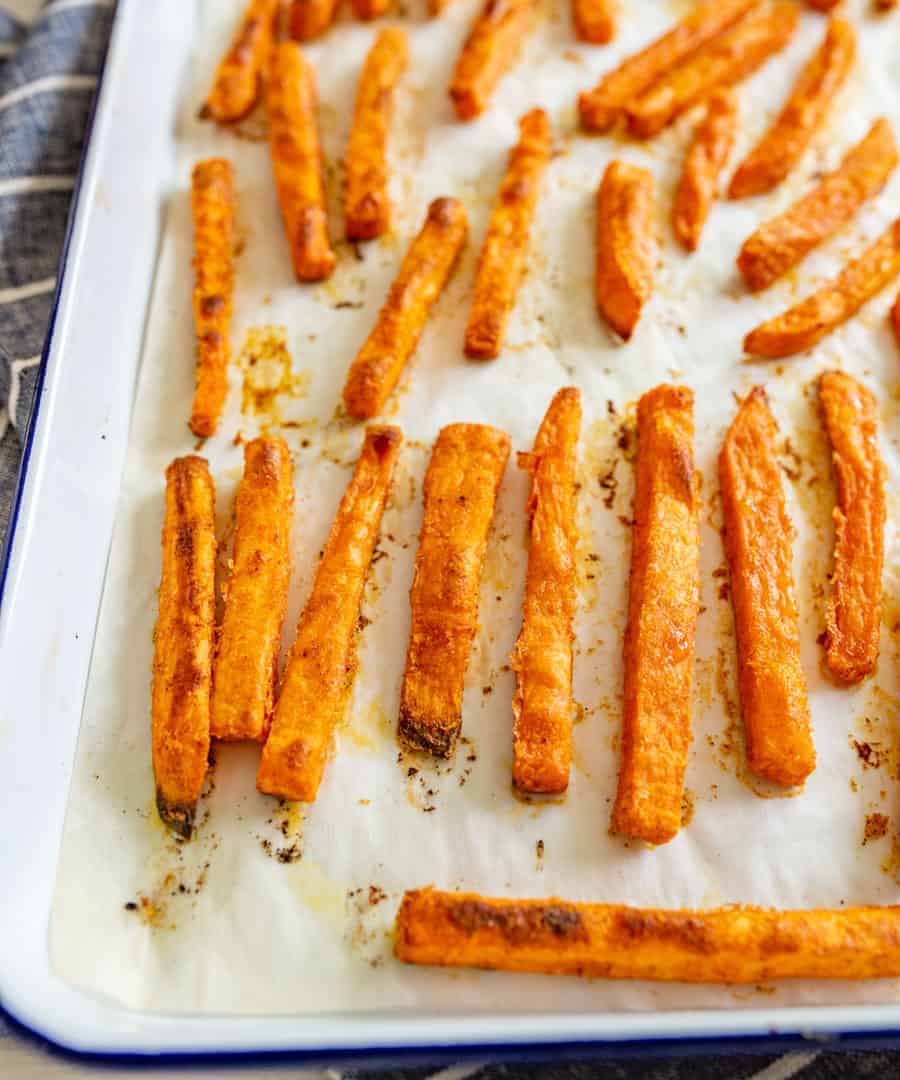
(427, 735)
(179, 817)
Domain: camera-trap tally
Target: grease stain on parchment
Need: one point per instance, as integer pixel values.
(268, 376)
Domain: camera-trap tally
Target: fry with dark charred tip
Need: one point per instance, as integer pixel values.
(801, 326)
(502, 260)
(542, 660)
(212, 206)
(235, 88)
(733, 944)
(726, 60)
(370, 9)
(250, 635)
(594, 20)
(308, 19)
(297, 161)
(705, 160)
(419, 282)
(758, 542)
(781, 243)
(853, 607)
(625, 245)
(489, 52)
(464, 474)
(663, 604)
(183, 643)
(321, 666)
(366, 204)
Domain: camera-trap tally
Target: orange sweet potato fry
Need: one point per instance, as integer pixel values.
(542, 660)
(308, 19)
(723, 945)
(488, 53)
(461, 484)
(423, 274)
(297, 161)
(183, 643)
(781, 243)
(705, 160)
(502, 260)
(758, 545)
(626, 246)
(853, 607)
(212, 205)
(235, 88)
(370, 9)
(801, 326)
(601, 107)
(726, 60)
(594, 20)
(250, 635)
(321, 666)
(663, 603)
(366, 203)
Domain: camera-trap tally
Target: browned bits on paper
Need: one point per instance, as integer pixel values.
(875, 828)
(308, 19)
(488, 53)
(703, 164)
(594, 20)
(236, 84)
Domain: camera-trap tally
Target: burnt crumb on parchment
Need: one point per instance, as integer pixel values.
(609, 484)
(869, 753)
(876, 826)
(287, 822)
(368, 925)
(539, 854)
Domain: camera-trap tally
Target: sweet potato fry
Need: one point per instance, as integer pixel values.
(212, 205)
(464, 473)
(297, 161)
(594, 20)
(726, 60)
(853, 608)
(488, 53)
(663, 603)
(502, 259)
(183, 643)
(321, 666)
(250, 635)
(885, 5)
(366, 203)
(308, 19)
(423, 274)
(542, 660)
(781, 243)
(626, 246)
(235, 88)
(801, 326)
(722, 945)
(601, 107)
(369, 9)
(782, 146)
(705, 160)
(758, 545)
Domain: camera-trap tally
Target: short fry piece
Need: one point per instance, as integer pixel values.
(721, 945)
(461, 484)
(370, 9)
(626, 246)
(502, 260)
(663, 603)
(308, 19)
(488, 53)
(250, 634)
(423, 274)
(366, 203)
(705, 160)
(235, 88)
(183, 643)
(212, 205)
(297, 161)
(321, 666)
(801, 326)
(542, 660)
(781, 243)
(758, 545)
(853, 607)
(595, 20)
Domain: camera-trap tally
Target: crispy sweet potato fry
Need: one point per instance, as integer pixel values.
(297, 161)
(212, 205)
(601, 107)
(758, 545)
(308, 19)
(626, 246)
(250, 635)
(502, 259)
(853, 608)
(366, 203)
(422, 275)
(542, 660)
(369, 9)
(183, 642)
(721, 945)
(321, 666)
(663, 602)
(594, 20)
(726, 60)
(488, 53)
(461, 483)
(801, 326)
(705, 160)
(781, 243)
(235, 88)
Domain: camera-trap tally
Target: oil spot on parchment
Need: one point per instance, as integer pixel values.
(268, 376)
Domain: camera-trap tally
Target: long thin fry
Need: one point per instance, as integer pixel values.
(464, 473)
(322, 664)
(705, 160)
(308, 19)
(488, 53)
(370, 9)
(235, 88)
(594, 20)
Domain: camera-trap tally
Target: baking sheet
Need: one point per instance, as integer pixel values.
(287, 909)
